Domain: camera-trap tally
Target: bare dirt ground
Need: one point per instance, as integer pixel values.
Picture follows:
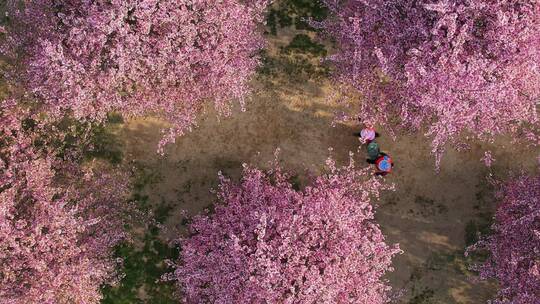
(430, 215)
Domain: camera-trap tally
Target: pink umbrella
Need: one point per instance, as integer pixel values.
(368, 134)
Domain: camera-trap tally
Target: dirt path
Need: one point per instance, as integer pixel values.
(431, 215)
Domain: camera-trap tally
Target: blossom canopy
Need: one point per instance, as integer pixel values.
(137, 57)
(269, 243)
(461, 68)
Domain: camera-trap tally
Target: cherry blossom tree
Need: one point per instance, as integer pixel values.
(59, 221)
(138, 56)
(463, 69)
(514, 247)
(269, 243)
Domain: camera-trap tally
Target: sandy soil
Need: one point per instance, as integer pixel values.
(427, 214)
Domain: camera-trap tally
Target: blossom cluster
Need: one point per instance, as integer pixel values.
(463, 69)
(266, 242)
(59, 221)
(514, 246)
(137, 57)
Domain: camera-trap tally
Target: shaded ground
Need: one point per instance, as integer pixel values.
(433, 216)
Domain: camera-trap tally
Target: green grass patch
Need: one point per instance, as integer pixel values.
(419, 293)
(474, 230)
(423, 295)
(144, 259)
(292, 68)
(286, 13)
(143, 269)
(105, 145)
(303, 44)
(161, 212)
(300, 59)
(144, 265)
(145, 176)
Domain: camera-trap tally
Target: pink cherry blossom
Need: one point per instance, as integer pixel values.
(139, 57)
(514, 246)
(488, 159)
(59, 222)
(266, 242)
(459, 68)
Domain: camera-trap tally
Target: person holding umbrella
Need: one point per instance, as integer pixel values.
(368, 135)
(384, 164)
(373, 152)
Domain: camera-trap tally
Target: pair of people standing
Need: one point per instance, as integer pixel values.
(381, 160)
